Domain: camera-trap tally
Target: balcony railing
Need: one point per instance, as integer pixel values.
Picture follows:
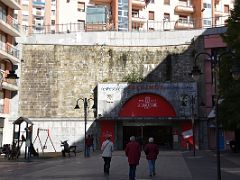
(138, 4)
(38, 3)
(184, 9)
(101, 1)
(9, 49)
(9, 84)
(14, 4)
(146, 25)
(218, 13)
(184, 24)
(9, 20)
(137, 19)
(13, 22)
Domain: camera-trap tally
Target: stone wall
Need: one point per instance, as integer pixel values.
(53, 77)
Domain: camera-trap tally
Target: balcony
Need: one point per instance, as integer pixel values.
(218, 13)
(9, 84)
(38, 3)
(39, 13)
(9, 52)
(9, 26)
(184, 24)
(101, 1)
(138, 4)
(14, 4)
(139, 20)
(38, 22)
(182, 9)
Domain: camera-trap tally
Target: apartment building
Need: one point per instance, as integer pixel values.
(166, 14)
(36, 14)
(50, 16)
(9, 61)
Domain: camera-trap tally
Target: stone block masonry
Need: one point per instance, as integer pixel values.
(54, 76)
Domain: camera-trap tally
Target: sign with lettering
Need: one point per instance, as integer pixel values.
(145, 99)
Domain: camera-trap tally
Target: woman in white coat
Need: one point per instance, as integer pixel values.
(107, 149)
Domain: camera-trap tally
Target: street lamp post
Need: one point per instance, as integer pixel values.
(195, 73)
(193, 124)
(85, 107)
(186, 99)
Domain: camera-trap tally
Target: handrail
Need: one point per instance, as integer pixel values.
(9, 49)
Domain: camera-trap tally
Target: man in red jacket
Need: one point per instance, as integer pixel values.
(151, 150)
(133, 152)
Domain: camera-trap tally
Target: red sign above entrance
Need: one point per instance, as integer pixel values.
(147, 105)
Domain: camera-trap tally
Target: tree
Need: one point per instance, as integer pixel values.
(230, 89)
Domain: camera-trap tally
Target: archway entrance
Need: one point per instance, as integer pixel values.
(162, 135)
(151, 108)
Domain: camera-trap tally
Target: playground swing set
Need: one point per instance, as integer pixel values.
(21, 137)
(43, 146)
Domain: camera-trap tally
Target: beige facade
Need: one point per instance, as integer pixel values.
(54, 16)
(9, 60)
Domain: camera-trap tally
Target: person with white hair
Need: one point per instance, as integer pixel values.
(151, 150)
(133, 152)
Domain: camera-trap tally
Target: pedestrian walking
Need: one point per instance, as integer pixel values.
(151, 150)
(88, 144)
(133, 152)
(107, 149)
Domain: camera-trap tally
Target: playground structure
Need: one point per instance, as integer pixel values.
(20, 136)
(48, 137)
(22, 139)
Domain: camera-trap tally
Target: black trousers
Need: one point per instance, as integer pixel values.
(107, 161)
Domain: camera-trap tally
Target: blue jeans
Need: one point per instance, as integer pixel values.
(132, 172)
(151, 167)
(87, 152)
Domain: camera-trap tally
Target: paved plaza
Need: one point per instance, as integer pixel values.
(170, 165)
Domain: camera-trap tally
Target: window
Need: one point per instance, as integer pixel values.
(207, 22)
(53, 12)
(226, 8)
(206, 5)
(52, 22)
(81, 25)
(3, 13)
(166, 16)
(81, 6)
(167, 2)
(151, 15)
(135, 13)
(25, 17)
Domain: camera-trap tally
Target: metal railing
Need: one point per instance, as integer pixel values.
(141, 25)
(9, 49)
(11, 21)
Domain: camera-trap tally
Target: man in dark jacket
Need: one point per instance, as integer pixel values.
(151, 150)
(133, 152)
